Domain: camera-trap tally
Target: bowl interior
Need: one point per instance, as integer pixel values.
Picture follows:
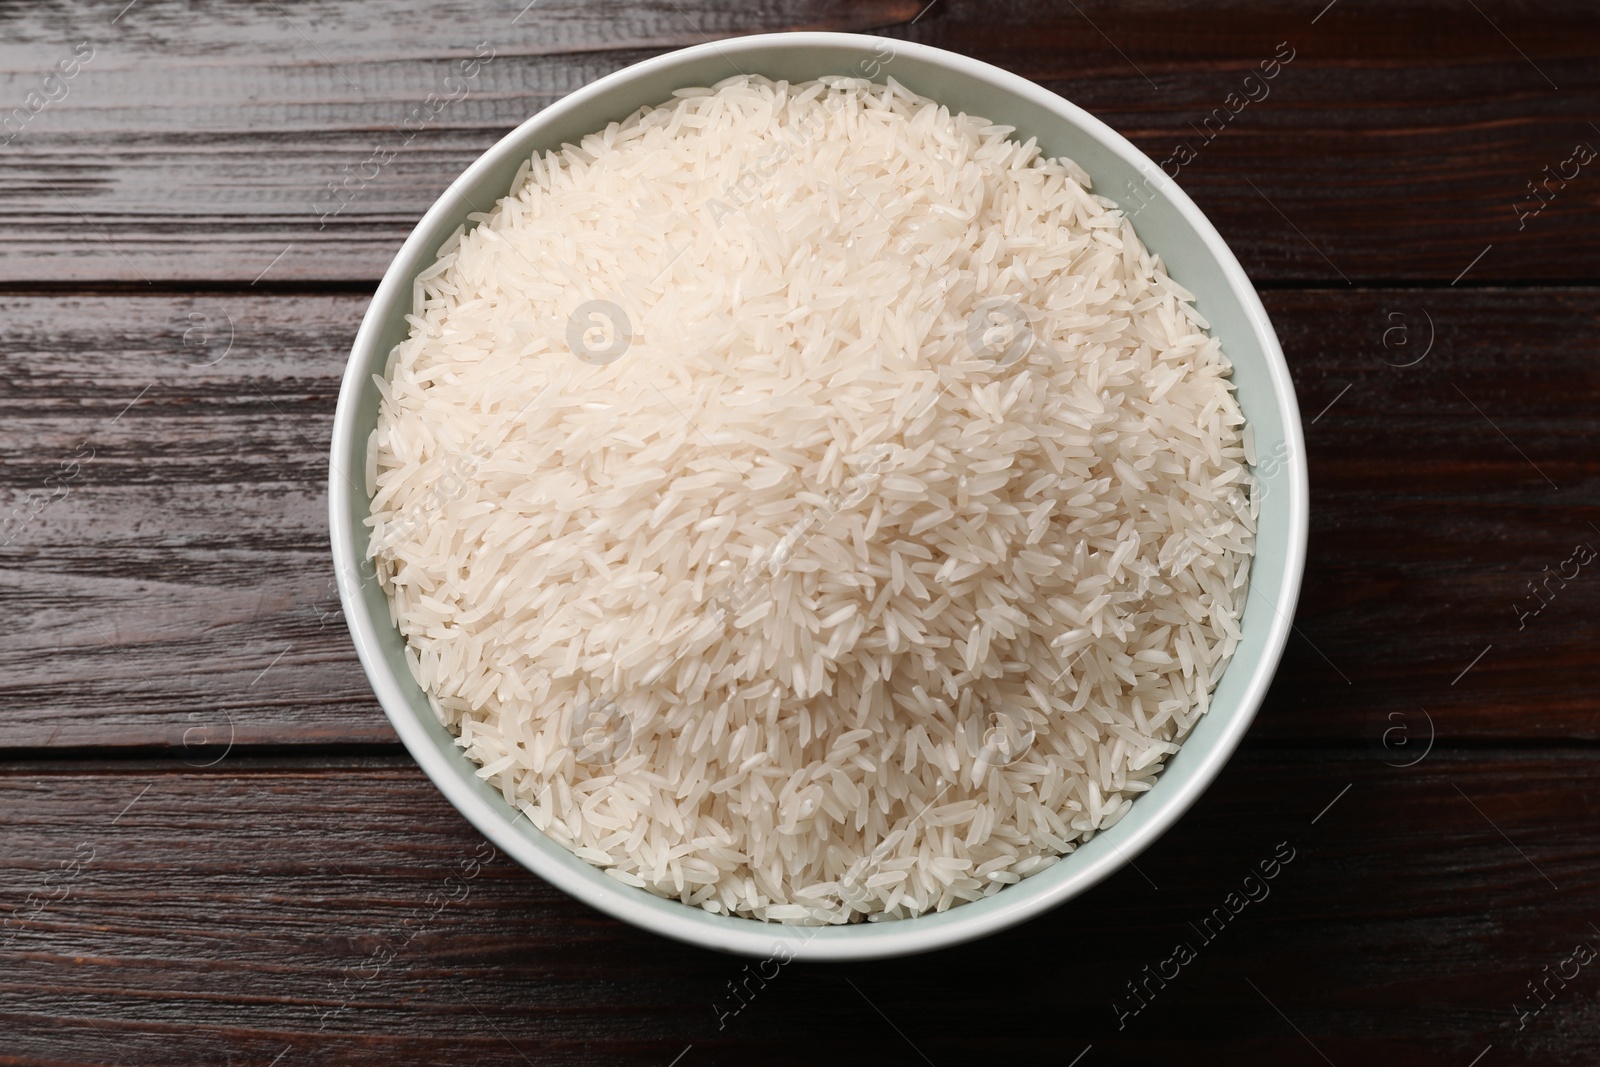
(1165, 219)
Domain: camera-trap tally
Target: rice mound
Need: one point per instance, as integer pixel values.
(809, 504)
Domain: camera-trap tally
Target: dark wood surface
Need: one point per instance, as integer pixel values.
(213, 851)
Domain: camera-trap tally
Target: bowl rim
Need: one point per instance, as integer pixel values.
(670, 918)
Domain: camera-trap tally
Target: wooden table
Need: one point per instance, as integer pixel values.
(212, 849)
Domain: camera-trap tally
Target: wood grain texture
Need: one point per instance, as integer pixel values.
(198, 142)
(187, 555)
(333, 910)
(188, 527)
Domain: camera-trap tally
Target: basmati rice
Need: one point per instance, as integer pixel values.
(809, 504)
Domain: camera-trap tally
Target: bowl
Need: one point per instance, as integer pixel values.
(1170, 225)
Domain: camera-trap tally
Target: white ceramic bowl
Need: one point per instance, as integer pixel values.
(1169, 224)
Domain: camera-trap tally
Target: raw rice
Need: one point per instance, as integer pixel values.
(809, 504)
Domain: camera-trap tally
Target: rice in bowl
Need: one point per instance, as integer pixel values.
(809, 504)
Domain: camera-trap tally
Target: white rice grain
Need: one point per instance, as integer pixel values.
(882, 531)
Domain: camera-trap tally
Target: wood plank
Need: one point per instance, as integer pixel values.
(334, 912)
(187, 554)
(185, 510)
(196, 141)
(1439, 492)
